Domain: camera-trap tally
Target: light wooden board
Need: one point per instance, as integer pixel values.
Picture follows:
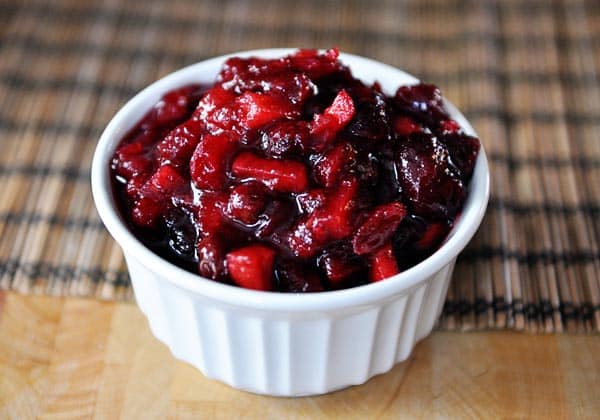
(78, 358)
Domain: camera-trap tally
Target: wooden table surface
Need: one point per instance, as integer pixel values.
(71, 358)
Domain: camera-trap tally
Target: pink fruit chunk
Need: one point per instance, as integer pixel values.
(383, 264)
(378, 228)
(285, 176)
(209, 163)
(327, 125)
(252, 267)
(165, 182)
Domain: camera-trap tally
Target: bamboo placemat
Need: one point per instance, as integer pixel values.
(526, 73)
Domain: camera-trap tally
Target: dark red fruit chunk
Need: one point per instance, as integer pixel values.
(314, 64)
(331, 222)
(178, 146)
(296, 278)
(255, 110)
(211, 258)
(330, 167)
(209, 218)
(428, 177)
(325, 126)
(209, 163)
(378, 228)
(405, 126)
(276, 216)
(449, 127)
(146, 211)
(284, 138)
(246, 202)
(463, 151)
(132, 160)
(433, 236)
(423, 101)
(173, 108)
(283, 176)
(165, 182)
(383, 264)
(339, 262)
(252, 267)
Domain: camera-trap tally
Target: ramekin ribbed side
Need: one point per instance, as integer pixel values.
(288, 353)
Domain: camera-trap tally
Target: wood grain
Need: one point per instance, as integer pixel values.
(79, 358)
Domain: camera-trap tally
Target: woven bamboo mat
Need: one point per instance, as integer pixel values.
(526, 73)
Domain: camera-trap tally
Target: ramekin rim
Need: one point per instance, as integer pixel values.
(470, 219)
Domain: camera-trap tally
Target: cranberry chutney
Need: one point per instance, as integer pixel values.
(291, 175)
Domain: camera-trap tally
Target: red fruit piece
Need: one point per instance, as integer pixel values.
(173, 108)
(378, 228)
(209, 217)
(331, 222)
(428, 178)
(286, 137)
(423, 101)
(383, 264)
(209, 162)
(463, 151)
(178, 146)
(211, 258)
(296, 278)
(252, 267)
(246, 202)
(165, 183)
(339, 262)
(285, 176)
(146, 211)
(434, 234)
(255, 110)
(213, 100)
(449, 126)
(330, 167)
(327, 125)
(314, 64)
(405, 126)
(132, 160)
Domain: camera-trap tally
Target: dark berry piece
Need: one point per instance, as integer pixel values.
(330, 167)
(309, 201)
(296, 278)
(211, 258)
(246, 202)
(339, 262)
(429, 180)
(285, 138)
(181, 233)
(378, 228)
(422, 101)
(463, 151)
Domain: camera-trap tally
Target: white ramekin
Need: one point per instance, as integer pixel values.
(274, 343)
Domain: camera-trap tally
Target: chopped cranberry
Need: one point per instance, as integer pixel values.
(290, 174)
